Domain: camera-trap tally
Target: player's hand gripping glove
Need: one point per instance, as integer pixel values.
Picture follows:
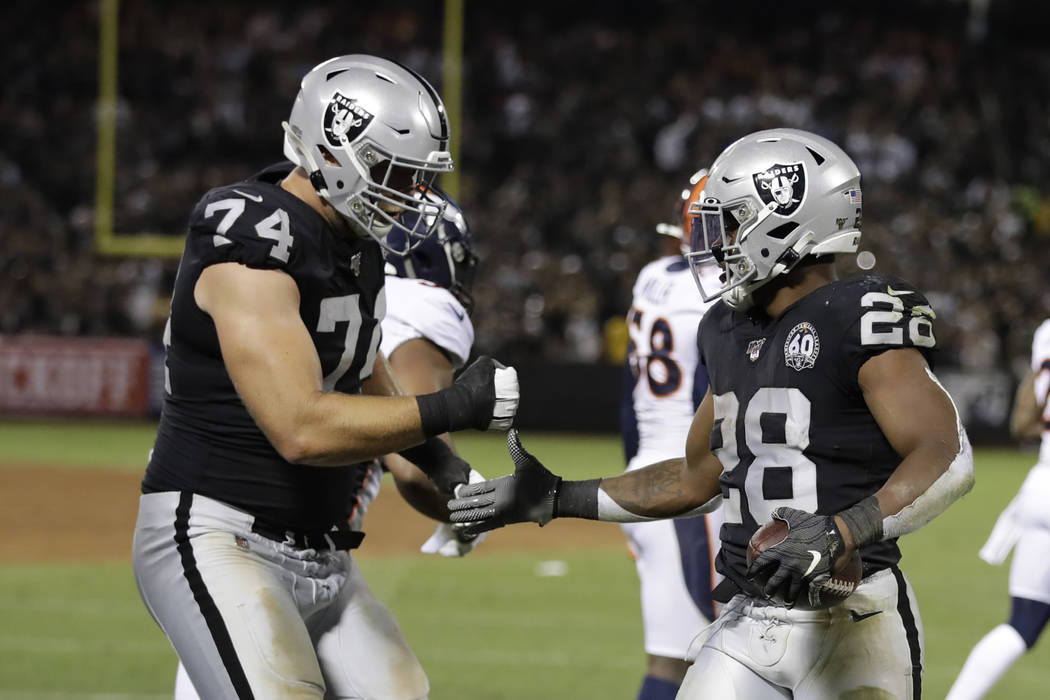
(805, 555)
(527, 495)
(484, 396)
(449, 541)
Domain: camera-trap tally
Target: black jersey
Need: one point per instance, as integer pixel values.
(791, 426)
(207, 442)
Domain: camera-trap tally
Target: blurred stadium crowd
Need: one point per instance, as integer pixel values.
(578, 129)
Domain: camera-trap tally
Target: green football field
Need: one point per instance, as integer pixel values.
(486, 627)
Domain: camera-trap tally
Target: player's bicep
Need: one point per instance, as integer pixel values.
(421, 367)
(918, 417)
(911, 407)
(265, 346)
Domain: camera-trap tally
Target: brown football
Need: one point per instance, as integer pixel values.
(845, 575)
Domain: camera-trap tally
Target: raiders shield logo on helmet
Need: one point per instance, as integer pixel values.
(344, 120)
(783, 184)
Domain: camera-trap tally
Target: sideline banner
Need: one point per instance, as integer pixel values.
(51, 375)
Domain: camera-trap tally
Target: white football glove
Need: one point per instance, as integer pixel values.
(450, 542)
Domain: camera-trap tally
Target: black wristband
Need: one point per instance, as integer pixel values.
(437, 460)
(864, 521)
(433, 414)
(577, 499)
(446, 411)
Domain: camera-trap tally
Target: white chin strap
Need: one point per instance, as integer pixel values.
(311, 165)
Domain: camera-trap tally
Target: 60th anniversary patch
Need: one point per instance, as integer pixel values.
(802, 347)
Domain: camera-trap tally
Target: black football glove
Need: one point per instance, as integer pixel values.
(484, 396)
(527, 495)
(806, 555)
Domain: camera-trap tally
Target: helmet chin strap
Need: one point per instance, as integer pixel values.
(313, 169)
(790, 257)
(321, 187)
(740, 298)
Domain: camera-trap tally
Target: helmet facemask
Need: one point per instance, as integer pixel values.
(718, 234)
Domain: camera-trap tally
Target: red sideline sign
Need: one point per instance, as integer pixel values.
(78, 376)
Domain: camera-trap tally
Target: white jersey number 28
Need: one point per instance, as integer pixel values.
(769, 405)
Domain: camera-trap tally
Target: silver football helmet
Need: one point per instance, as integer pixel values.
(772, 198)
(369, 131)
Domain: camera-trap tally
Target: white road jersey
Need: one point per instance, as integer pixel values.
(665, 312)
(1041, 368)
(417, 308)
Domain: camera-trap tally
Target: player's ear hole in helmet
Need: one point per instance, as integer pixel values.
(370, 134)
(447, 258)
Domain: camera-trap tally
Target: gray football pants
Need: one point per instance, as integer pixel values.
(250, 617)
(869, 646)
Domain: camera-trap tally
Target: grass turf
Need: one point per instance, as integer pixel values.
(487, 628)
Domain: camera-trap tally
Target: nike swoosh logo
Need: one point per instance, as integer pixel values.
(898, 292)
(459, 314)
(731, 180)
(253, 197)
(857, 617)
(812, 564)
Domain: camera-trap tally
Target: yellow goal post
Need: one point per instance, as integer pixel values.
(152, 245)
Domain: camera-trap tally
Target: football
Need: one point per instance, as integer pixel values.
(845, 575)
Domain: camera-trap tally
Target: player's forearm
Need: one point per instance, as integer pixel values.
(417, 489)
(337, 429)
(328, 429)
(927, 481)
(662, 490)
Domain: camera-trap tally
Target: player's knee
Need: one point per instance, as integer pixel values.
(1028, 617)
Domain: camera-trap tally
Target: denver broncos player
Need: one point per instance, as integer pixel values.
(241, 549)
(427, 335)
(822, 412)
(1023, 527)
(665, 383)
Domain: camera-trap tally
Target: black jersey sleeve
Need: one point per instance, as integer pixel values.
(241, 224)
(883, 313)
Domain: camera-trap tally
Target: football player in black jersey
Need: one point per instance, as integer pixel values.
(823, 412)
(276, 389)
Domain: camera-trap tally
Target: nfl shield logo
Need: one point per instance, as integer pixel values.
(355, 264)
(783, 184)
(754, 348)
